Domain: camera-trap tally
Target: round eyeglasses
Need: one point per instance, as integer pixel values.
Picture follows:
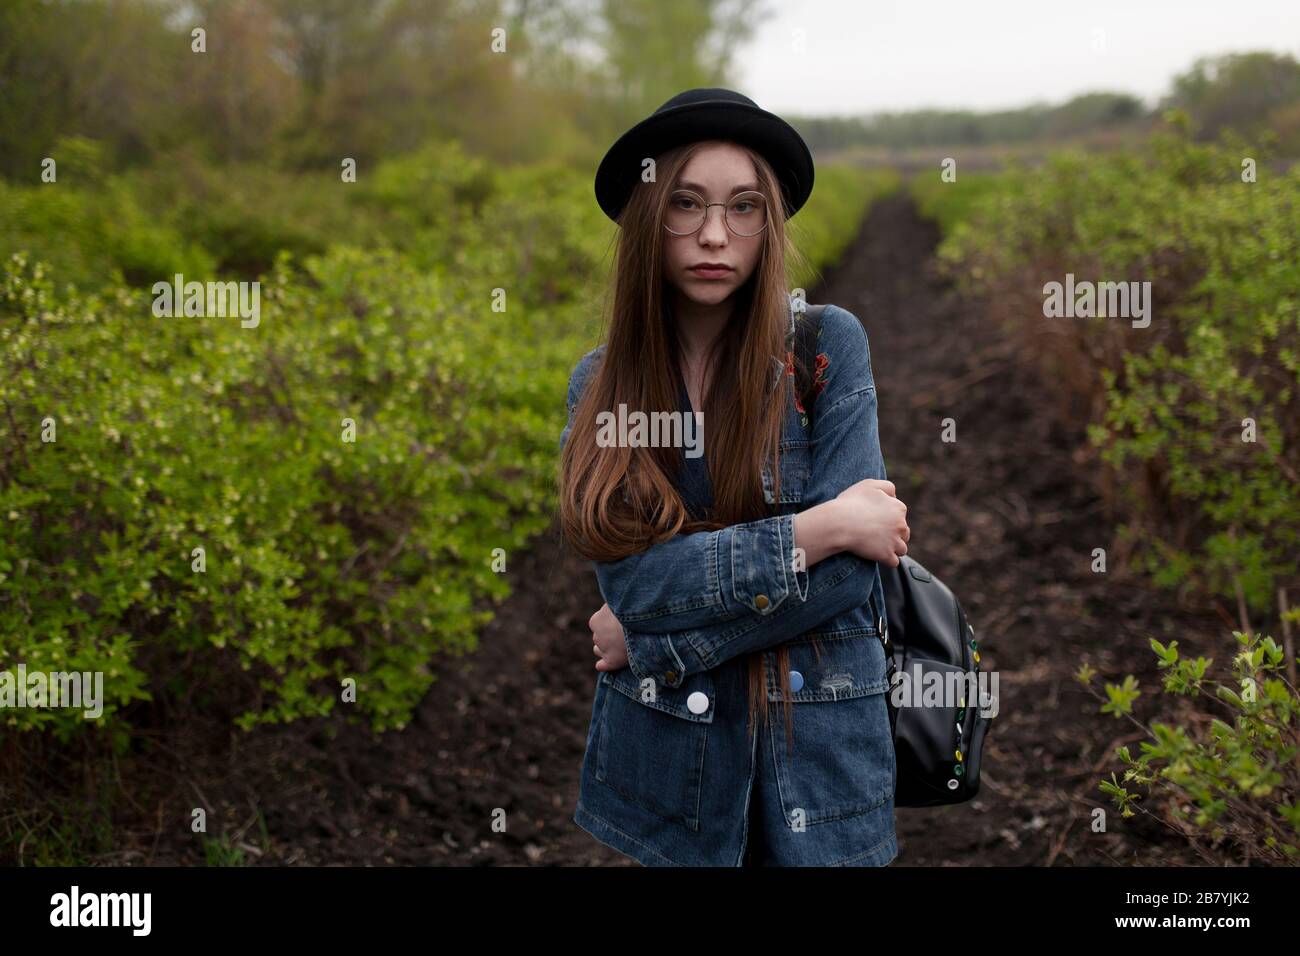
(745, 213)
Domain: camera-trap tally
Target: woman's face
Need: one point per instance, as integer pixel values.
(717, 172)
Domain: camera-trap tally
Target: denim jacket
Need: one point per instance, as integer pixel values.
(692, 607)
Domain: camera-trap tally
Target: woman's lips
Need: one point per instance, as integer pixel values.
(705, 272)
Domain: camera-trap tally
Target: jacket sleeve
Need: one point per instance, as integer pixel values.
(706, 577)
(698, 600)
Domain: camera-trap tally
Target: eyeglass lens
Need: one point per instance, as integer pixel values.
(746, 213)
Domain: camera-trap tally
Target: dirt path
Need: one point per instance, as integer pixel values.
(1007, 517)
(1003, 515)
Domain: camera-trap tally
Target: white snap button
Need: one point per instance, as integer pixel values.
(698, 702)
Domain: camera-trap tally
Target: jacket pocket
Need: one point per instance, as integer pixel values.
(840, 761)
(651, 743)
(795, 468)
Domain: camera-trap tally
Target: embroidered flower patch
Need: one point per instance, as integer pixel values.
(820, 364)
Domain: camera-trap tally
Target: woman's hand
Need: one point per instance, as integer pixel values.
(875, 521)
(607, 640)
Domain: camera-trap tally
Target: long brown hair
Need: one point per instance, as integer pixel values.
(619, 501)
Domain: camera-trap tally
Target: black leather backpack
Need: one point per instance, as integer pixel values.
(928, 643)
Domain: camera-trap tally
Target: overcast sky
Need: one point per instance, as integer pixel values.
(862, 56)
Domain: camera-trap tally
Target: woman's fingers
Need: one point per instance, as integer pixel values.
(867, 485)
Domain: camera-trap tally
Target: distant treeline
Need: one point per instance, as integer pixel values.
(966, 127)
(1251, 93)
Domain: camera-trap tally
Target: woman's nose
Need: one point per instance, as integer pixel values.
(714, 229)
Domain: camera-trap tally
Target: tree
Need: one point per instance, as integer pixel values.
(1240, 90)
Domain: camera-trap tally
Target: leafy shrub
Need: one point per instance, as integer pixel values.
(951, 204)
(324, 559)
(93, 236)
(1168, 405)
(1228, 781)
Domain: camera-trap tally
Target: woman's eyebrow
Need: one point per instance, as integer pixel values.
(743, 187)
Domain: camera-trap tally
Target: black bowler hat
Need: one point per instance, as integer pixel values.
(709, 113)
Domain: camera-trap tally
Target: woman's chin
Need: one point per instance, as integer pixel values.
(707, 291)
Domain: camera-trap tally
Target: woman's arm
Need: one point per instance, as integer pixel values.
(710, 577)
(845, 450)
(846, 581)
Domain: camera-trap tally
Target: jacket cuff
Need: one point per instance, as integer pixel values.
(653, 656)
(762, 553)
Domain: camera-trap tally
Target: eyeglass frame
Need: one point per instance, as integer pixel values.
(705, 218)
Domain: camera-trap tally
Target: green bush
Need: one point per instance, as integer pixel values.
(93, 236)
(1170, 407)
(951, 204)
(324, 559)
(1230, 777)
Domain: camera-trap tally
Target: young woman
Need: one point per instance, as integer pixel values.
(746, 575)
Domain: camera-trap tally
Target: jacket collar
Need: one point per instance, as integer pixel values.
(779, 363)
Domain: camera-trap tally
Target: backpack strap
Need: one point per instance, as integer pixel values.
(806, 332)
